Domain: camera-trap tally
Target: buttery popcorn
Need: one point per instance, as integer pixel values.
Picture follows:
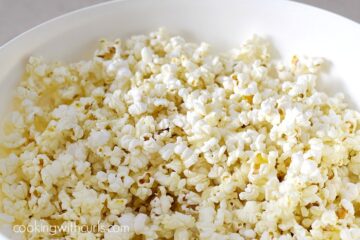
(174, 142)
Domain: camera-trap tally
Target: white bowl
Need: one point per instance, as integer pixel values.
(292, 27)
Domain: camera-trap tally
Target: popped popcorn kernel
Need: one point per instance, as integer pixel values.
(155, 137)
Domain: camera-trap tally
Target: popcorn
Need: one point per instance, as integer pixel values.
(178, 220)
(98, 138)
(163, 139)
(181, 234)
(349, 234)
(167, 150)
(249, 213)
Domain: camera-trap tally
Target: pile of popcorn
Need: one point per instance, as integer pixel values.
(176, 142)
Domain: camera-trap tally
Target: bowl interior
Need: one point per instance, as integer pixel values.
(292, 28)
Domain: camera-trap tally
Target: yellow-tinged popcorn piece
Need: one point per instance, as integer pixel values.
(158, 138)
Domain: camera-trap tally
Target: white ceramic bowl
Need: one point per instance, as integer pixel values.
(292, 27)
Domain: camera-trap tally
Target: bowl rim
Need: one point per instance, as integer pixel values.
(97, 5)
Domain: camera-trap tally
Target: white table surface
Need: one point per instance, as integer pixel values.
(17, 16)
